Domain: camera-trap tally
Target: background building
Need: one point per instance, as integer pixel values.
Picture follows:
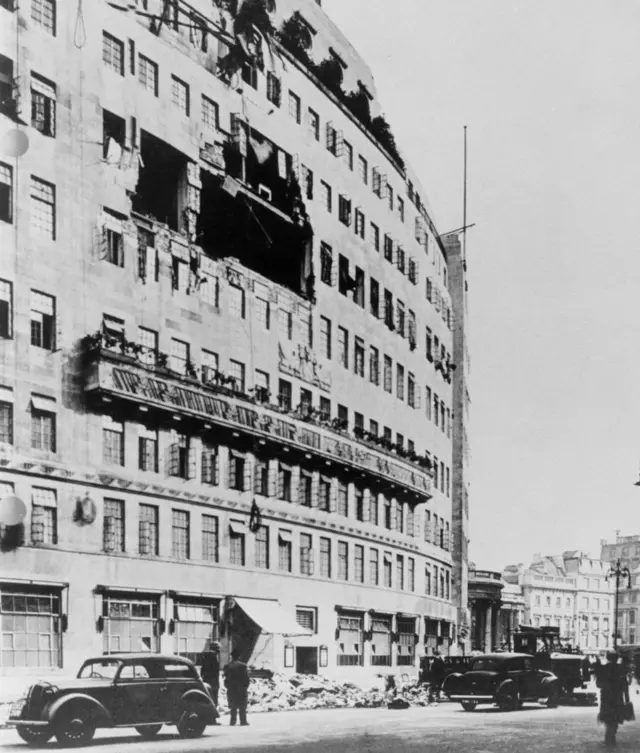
(227, 348)
(626, 549)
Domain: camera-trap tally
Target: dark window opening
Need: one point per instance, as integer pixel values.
(162, 178)
(114, 128)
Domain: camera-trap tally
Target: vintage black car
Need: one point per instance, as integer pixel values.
(143, 691)
(507, 680)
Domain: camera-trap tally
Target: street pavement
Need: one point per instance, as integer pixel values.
(445, 728)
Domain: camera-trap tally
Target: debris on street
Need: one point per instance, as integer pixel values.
(297, 692)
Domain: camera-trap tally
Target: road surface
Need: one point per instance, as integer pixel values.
(444, 728)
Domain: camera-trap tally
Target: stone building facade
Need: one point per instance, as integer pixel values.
(227, 345)
(626, 550)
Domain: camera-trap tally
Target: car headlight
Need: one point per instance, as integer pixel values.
(17, 707)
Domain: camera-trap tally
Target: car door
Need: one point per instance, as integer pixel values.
(140, 689)
(179, 678)
(531, 679)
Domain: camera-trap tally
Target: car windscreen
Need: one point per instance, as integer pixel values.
(100, 669)
(486, 665)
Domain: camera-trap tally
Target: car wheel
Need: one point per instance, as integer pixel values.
(149, 730)
(553, 698)
(469, 705)
(75, 728)
(508, 702)
(35, 735)
(192, 722)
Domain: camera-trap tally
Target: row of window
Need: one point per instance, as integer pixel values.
(42, 219)
(586, 604)
(348, 564)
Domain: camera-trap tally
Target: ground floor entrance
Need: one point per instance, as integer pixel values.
(307, 660)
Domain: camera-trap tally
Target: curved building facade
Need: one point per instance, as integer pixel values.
(227, 327)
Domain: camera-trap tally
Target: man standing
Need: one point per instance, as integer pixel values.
(236, 680)
(437, 675)
(210, 670)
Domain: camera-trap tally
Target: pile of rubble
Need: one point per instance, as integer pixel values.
(297, 692)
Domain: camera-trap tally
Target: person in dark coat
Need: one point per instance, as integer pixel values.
(210, 670)
(236, 681)
(614, 695)
(437, 675)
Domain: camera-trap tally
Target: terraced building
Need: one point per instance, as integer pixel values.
(227, 333)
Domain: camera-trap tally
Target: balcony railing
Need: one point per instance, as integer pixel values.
(114, 368)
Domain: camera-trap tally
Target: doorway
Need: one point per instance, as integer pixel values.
(307, 660)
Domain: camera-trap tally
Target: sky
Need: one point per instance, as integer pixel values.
(550, 93)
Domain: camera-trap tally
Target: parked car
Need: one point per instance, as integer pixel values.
(507, 680)
(143, 691)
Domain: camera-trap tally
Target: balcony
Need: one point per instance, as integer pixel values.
(115, 372)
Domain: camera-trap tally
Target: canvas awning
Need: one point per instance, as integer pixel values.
(270, 617)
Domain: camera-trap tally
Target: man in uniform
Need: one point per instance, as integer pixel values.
(236, 680)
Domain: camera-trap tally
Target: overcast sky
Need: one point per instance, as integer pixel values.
(550, 92)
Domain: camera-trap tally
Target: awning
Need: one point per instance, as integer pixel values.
(44, 404)
(270, 617)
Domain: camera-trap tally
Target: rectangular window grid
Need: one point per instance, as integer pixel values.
(148, 530)
(44, 519)
(148, 74)
(113, 53)
(210, 545)
(180, 548)
(180, 94)
(113, 525)
(210, 112)
(261, 549)
(284, 553)
(43, 202)
(31, 627)
(130, 625)
(43, 430)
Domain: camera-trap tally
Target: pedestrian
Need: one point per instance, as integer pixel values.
(614, 697)
(210, 670)
(236, 680)
(437, 675)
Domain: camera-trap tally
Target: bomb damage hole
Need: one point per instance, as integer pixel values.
(162, 183)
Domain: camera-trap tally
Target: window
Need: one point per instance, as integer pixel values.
(112, 441)
(237, 305)
(261, 550)
(237, 543)
(324, 494)
(305, 489)
(343, 347)
(6, 415)
(210, 112)
(148, 450)
(43, 208)
(261, 477)
(401, 208)
(374, 428)
(179, 356)
(113, 526)
(325, 557)
(400, 259)
(343, 499)
(181, 459)
(345, 282)
(43, 423)
(307, 182)
(250, 75)
(388, 309)
(400, 318)
(44, 516)
(43, 105)
(358, 356)
(390, 197)
(43, 13)
(411, 573)
(274, 89)
(386, 570)
(400, 382)
(113, 53)
(284, 551)
(343, 560)
(113, 247)
(344, 210)
(388, 374)
(343, 417)
(325, 336)
(358, 564)
(427, 579)
(180, 94)
(411, 390)
(374, 557)
(326, 264)
(350, 639)
(210, 543)
(113, 330)
(306, 564)
(148, 340)
(237, 372)
(148, 74)
(332, 139)
(285, 321)
(285, 475)
(375, 236)
(6, 192)
(314, 124)
(295, 109)
(6, 309)
(363, 169)
(358, 291)
(130, 624)
(148, 530)
(374, 365)
(325, 195)
(347, 153)
(307, 617)
(237, 470)
(388, 248)
(374, 297)
(210, 363)
(400, 572)
(325, 407)
(359, 223)
(263, 312)
(284, 394)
